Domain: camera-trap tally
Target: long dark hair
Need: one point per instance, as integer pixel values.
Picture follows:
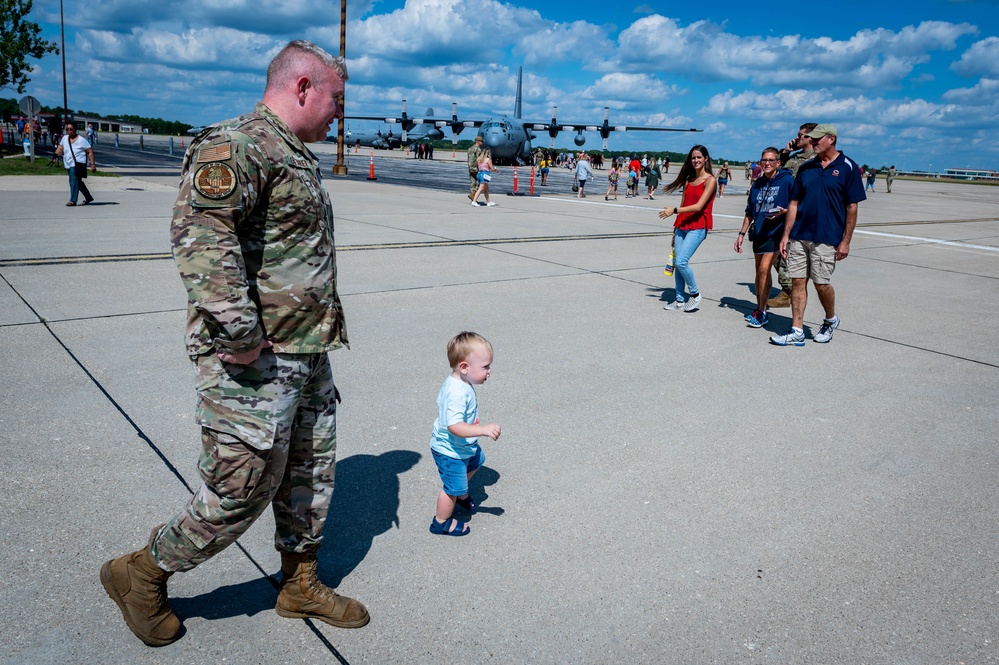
(687, 172)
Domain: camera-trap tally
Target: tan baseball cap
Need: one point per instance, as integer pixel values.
(822, 130)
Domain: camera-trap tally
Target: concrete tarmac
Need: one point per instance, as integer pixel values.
(669, 488)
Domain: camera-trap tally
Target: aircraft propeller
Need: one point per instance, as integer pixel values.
(404, 120)
(457, 126)
(553, 128)
(606, 129)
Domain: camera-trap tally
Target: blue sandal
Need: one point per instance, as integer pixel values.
(444, 529)
(466, 503)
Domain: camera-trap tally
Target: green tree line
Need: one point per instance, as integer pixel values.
(9, 108)
(152, 125)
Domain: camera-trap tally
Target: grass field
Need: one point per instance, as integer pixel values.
(15, 163)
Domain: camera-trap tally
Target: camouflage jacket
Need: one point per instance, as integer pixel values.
(252, 236)
(796, 159)
(473, 158)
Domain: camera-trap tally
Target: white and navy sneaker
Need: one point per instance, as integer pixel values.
(675, 306)
(826, 331)
(791, 338)
(693, 304)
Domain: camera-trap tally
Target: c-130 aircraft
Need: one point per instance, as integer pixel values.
(390, 140)
(509, 138)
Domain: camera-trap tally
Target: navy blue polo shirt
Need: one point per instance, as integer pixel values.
(823, 195)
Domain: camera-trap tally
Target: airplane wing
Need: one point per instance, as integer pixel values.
(379, 118)
(604, 129)
(630, 128)
(590, 127)
(409, 122)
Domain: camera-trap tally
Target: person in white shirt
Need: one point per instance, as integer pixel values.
(76, 153)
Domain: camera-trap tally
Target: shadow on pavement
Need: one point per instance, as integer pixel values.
(482, 479)
(247, 598)
(365, 505)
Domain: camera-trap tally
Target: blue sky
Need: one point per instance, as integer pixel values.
(915, 84)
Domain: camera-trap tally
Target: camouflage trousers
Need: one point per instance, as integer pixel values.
(782, 278)
(268, 436)
(473, 183)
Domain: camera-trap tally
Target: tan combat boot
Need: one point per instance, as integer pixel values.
(303, 596)
(139, 587)
(782, 299)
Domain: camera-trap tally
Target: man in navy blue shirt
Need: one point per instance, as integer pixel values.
(820, 222)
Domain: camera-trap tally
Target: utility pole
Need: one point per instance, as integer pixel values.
(65, 102)
(339, 168)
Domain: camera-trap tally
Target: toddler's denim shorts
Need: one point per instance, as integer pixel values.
(454, 472)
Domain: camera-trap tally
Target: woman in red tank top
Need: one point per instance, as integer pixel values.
(693, 221)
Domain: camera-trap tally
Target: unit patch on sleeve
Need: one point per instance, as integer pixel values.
(215, 181)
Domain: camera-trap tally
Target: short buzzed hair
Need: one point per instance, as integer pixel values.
(462, 345)
(301, 57)
(808, 126)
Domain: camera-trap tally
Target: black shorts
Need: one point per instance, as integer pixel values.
(765, 245)
(768, 239)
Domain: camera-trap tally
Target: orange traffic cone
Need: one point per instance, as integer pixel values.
(371, 167)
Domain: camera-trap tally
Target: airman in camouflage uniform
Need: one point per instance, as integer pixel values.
(473, 166)
(252, 236)
(791, 160)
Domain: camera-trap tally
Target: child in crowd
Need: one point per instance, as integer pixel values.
(454, 443)
(612, 178)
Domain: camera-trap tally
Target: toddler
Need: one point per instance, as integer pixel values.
(454, 443)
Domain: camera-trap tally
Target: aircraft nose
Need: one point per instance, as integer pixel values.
(492, 140)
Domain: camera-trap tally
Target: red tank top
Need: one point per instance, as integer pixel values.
(695, 220)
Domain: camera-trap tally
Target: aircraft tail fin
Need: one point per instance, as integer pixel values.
(520, 96)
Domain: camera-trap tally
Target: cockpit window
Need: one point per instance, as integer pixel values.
(496, 124)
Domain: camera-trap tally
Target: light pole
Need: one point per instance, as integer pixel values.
(62, 32)
(339, 168)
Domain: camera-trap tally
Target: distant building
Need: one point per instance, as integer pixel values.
(973, 174)
(103, 125)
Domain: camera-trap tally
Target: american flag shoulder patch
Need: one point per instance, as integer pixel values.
(215, 153)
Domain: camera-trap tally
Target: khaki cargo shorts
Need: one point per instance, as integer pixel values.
(812, 260)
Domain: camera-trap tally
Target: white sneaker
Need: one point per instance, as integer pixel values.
(675, 306)
(826, 331)
(475, 204)
(490, 204)
(693, 303)
(791, 338)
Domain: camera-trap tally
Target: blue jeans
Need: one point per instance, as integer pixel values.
(685, 243)
(77, 186)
